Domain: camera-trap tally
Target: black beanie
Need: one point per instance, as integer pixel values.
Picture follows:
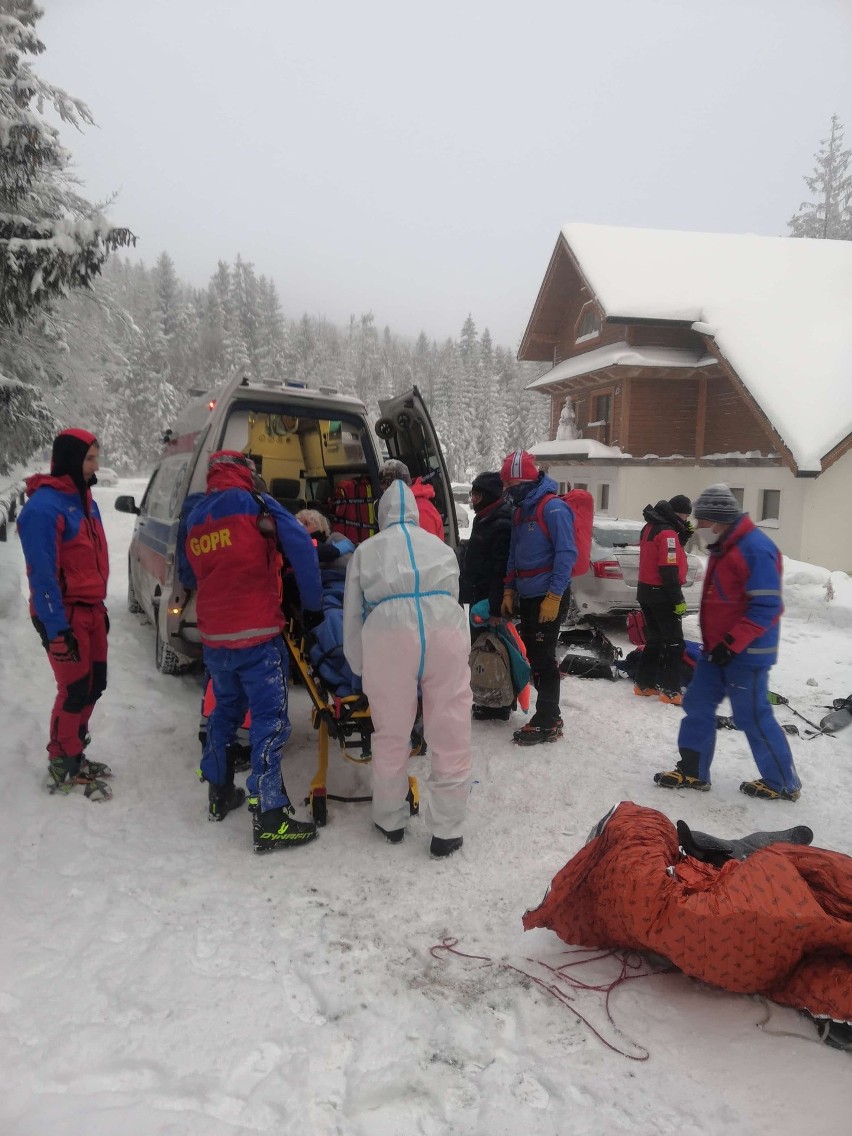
(488, 483)
(66, 459)
(680, 504)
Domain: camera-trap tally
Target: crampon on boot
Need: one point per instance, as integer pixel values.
(64, 774)
(277, 828)
(764, 792)
(534, 734)
(674, 779)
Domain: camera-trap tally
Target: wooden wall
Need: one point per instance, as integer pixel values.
(731, 426)
(663, 417)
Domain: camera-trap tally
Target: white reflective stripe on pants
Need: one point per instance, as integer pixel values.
(391, 660)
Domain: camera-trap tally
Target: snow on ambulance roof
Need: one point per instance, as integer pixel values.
(777, 307)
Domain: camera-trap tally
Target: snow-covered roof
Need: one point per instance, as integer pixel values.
(575, 447)
(777, 307)
(621, 355)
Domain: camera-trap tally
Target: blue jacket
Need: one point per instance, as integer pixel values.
(541, 561)
(741, 600)
(65, 550)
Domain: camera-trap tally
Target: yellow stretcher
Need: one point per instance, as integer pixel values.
(344, 719)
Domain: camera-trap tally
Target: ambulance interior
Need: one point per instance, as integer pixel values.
(309, 462)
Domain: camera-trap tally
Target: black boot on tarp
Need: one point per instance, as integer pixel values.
(717, 851)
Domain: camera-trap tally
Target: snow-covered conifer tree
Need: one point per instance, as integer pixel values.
(829, 216)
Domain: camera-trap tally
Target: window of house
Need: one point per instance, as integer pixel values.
(602, 417)
(588, 325)
(770, 505)
(581, 485)
(603, 497)
(740, 496)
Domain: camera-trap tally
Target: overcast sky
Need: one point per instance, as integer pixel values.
(419, 160)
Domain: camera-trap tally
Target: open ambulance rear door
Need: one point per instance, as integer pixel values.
(406, 429)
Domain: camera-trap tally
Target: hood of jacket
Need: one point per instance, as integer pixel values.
(63, 484)
(544, 486)
(421, 488)
(229, 476)
(661, 514)
(397, 505)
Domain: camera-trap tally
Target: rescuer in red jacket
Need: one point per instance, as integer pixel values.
(68, 565)
(235, 538)
(429, 517)
(662, 573)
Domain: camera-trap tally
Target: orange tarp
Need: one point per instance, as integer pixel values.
(778, 923)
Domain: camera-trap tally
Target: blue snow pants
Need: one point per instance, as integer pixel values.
(257, 675)
(747, 687)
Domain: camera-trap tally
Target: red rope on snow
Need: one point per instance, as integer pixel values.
(629, 960)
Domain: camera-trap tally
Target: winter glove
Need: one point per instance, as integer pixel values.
(549, 608)
(312, 619)
(106, 620)
(680, 608)
(64, 648)
(507, 607)
(722, 654)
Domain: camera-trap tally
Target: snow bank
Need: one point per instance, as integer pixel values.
(818, 593)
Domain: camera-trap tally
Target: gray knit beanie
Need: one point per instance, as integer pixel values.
(717, 503)
(394, 470)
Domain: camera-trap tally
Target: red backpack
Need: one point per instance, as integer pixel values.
(582, 506)
(636, 628)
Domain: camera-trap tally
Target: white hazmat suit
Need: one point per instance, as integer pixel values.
(403, 626)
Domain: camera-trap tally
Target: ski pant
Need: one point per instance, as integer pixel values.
(540, 642)
(258, 676)
(747, 688)
(78, 685)
(659, 663)
(391, 662)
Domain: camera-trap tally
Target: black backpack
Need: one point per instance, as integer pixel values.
(591, 654)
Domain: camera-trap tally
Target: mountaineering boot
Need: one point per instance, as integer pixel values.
(671, 698)
(277, 828)
(441, 847)
(491, 713)
(764, 792)
(717, 851)
(239, 757)
(674, 779)
(223, 799)
(645, 691)
(92, 770)
(65, 773)
(530, 735)
(395, 836)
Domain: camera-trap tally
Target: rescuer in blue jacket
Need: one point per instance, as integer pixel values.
(542, 553)
(741, 607)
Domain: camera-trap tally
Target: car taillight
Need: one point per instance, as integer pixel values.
(607, 570)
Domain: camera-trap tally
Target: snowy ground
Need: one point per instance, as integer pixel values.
(158, 978)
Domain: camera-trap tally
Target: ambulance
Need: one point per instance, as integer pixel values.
(313, 448)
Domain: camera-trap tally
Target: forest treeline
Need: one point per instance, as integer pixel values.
(93, 339)
(141, 341)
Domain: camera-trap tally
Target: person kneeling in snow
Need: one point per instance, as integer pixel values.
(403, 628)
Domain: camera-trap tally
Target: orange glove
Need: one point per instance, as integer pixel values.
(507, 607)
(549, 608)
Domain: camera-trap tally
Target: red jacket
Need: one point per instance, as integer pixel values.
(237, 567)
(65, 549)
(741, 600)
(660, 548)
(430, 518)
